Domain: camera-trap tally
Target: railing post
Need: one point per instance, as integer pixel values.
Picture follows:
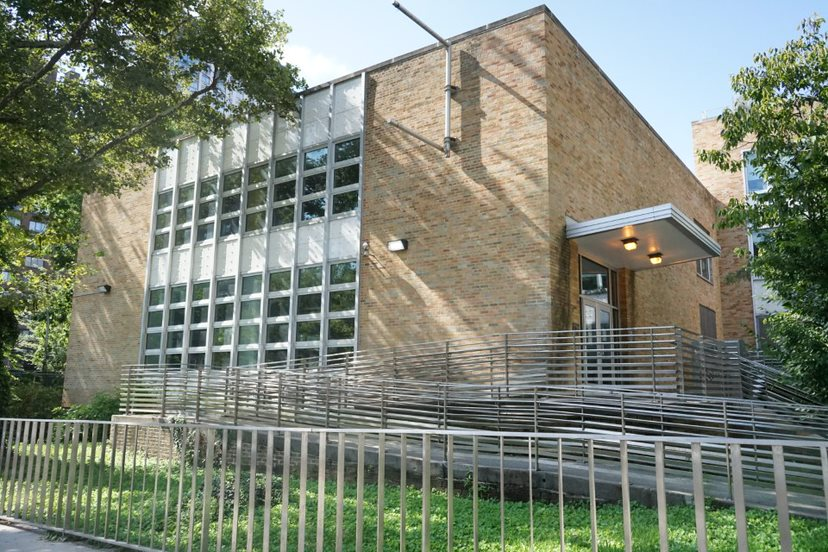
(281, 397)
(236, 398)
(506, 356)
(198, 394)
(447, 362)
(164, 392)
(128, 408)
(652, 358)
(226, 387)
(623, 417)
(679, 360)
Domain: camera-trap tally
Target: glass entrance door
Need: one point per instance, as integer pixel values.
(597, 320)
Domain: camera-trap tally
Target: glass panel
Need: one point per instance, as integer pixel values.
(343, 273)
(277, 333)
(176, 317)
(284, 167)
(155, 319)
(345, 176)
(162, 220)
(278, 306)
(310, 277)
(604, 319)
(178, 294)
(341, 328)
(156, 296)
(232, 181)
(283, 215)
(306, 356)
(196, 360)
(276, 355)
(342, 300)
(258, 174)
(248, 335)
(308, 331)
(164, 199)
(248, 358)
(313, 208)
(309, 304)
(151, 359)
(340, 350)
(175, 340)
(316, 158)
(201, 291)
(594, 281)
(313, 184)
(182, 236)
(205, 231)
(280, 281)
(161, 241)
(206, 209)
(250, 309)
(209, 186)
(198, 338)
(755, 184)
(222, 336)
(589, 317)
(342, 203)
(221, 359)
(153, 341)
(224, 312)
(255, 221)
(230, 204)
(346, 150)
(185, 194)
(284, 190)
(256, 198)
(198, 315)
(252, 284)
(173, 360)
(229, 226)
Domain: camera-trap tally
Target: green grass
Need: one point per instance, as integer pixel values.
(139, 521)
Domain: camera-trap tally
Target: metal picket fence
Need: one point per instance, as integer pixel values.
(165, 486)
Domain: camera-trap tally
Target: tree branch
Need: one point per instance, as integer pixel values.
(38, 44)
(38, 186)
(73, 41)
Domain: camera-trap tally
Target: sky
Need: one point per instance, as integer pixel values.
(673, 60)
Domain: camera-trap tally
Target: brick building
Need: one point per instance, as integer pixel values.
(558, 208)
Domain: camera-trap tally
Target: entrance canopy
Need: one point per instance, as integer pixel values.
(641, 239)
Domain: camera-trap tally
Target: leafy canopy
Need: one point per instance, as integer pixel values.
(781, 114)
(90, 90)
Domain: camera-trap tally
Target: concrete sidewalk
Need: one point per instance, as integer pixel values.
(17, 539)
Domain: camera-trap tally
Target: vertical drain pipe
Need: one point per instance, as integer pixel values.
(447, 139)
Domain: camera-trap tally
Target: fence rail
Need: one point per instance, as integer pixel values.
(161, 486)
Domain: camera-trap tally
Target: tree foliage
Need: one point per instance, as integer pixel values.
(90, 90)
(781, 113)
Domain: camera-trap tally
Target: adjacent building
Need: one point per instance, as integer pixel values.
(558, 208)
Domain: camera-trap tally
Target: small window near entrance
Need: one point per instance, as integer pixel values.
(707, 318)
(704, 268)
(595, 281)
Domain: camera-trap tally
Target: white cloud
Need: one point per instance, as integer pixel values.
(315, 67)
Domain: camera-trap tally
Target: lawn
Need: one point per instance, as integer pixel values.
(142, 513)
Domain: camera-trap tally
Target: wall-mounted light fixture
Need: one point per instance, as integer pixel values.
(364, 248)
(630, 244)
(103, 288)
(655, 258)
(397, 245)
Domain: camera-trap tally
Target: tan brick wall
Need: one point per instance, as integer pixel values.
(543, 134)
(478, 222)
(605, 159)
(737, 298)
(106, 328)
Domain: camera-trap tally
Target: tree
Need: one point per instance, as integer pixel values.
(780, 112)
(90, 90)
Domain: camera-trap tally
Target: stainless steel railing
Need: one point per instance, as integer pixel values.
(164, 486)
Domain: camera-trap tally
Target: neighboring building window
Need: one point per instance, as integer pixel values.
(754, 184)
(34, 262)
(36, 226)
(256, 207)
(230, 204)
(704, 268)
(14, 221)
(346, 177)
(707, 318)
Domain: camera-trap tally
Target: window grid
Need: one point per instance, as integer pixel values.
(327, 189)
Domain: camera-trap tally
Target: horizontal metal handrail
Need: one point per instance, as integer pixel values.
(160, 485)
